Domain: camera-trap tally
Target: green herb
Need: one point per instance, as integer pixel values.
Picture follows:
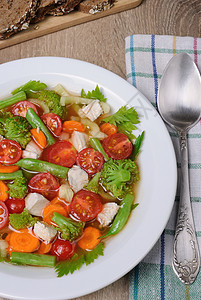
(124, 119)
(118, 175)
(94, 94)
(75, 263)
(23, 220)
(31, 85)
(18, 189)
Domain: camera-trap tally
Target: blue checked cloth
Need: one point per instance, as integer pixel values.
(146, 58)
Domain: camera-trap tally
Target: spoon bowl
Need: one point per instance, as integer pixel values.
(179, 97)
(179, 103)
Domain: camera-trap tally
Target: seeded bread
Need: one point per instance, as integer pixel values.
(15, 15)
(64, 8)
(44, 8)
(95, 6)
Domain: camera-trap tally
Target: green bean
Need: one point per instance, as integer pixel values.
(95, 143)
(36, 122)
(33, 259)
(121, 217)
(11, 176)
(13, 99)
(42, 166)
(93, 184)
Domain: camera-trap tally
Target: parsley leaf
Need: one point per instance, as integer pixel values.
(90, 256)
(75, 262)
(124, 119)
(70, 265)
(94, 94)
(31, 85)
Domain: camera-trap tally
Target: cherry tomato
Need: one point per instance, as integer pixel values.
(90, 160)
(3, 215)
(20, 109)
(85, 206)
(53, 123)
(15, 206)
(44, 184)
(62, 153)
(63, 249)
(10, 152)
(117, 146)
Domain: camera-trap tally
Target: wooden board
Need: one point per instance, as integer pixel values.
(52, 24)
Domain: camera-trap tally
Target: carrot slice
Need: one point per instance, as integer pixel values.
(3, 191)
(108, 128)
(70, 126)
(24, 241)
(61, 202)
(8, 169)
(50, 209)
(39, 137)
(89, 240)
(44, 248)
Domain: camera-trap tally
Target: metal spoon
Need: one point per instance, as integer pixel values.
(179, 103)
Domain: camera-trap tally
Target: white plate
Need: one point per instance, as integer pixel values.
(155, 194)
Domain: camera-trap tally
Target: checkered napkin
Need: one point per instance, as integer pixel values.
(146, 58)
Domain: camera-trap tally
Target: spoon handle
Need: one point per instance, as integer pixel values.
(186, 260)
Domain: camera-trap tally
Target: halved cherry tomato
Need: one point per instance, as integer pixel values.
(62, 153)
(85, 206)
(20, 109)
(62, 249)
(10, 152)
(3, 215)
(15, 206)
(90, 160)
(44, 184)
(117, 146)
(53, 122)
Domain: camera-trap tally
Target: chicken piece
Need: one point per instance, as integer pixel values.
(28, 154)
(65, 192)
(79, 140)
(3, 248)
(44, 231)
(77, 178)
(35, 204)
(93, 110)
(108, 213)
(31, 151)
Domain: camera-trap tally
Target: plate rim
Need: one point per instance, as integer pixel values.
(113, 75)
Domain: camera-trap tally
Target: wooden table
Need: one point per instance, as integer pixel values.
(102, 42)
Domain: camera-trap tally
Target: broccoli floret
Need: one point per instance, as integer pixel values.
(70, 229)
(15, 128)
(18, 189)
(117, 175)
(52, 100)
(23, 220)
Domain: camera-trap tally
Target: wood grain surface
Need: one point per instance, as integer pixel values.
(102, 42)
